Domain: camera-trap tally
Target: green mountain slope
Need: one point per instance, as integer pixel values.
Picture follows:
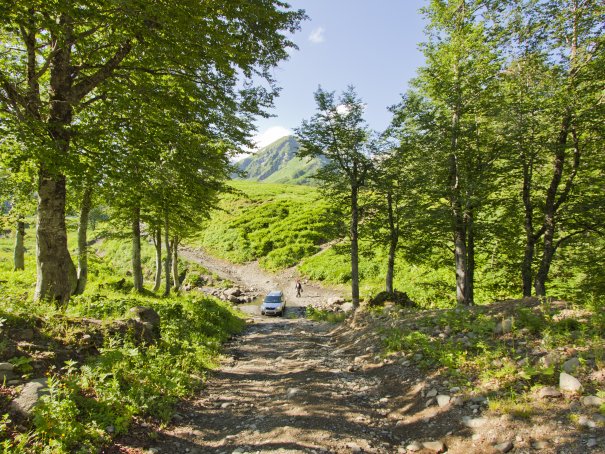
(277, 163)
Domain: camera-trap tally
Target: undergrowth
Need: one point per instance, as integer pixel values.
(464, 345)
(97, 392)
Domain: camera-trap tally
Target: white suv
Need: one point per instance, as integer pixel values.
(274, 304)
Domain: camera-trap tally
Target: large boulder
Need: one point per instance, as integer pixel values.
(233, 291)
(146, 324)
(398, 298)
(29, 397)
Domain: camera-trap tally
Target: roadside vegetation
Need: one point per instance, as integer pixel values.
(101, 378)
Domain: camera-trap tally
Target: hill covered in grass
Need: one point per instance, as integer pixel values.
(274, 223)
(277, 163)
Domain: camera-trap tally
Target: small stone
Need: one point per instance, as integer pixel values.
(458, 401)
(503, 327)
(569, 383)
(454, 390)
(110, 429)
(584, 421)
(414, 446)
(354, 447)
(6, 372)
(540, 444)
(591, 443)
(432, 393)
(418, 357)
(435, 446)
(476, 437)
(292, 392)
(549, 360)
(592, 401)
(443, 400)
(548, 392)
(571, 365)
(504, 447)
(474, 423)
(600, 419)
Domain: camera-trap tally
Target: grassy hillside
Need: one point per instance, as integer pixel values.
(276, 224)
(277, 163)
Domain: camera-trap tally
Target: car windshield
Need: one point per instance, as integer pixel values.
(273, 299)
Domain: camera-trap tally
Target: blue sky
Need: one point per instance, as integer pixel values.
(372, 45)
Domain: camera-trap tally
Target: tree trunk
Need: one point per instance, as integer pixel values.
(551, 207)
(393, 240)
(157, 241)
(175, 263)
(168, 264)
(137, 268)
(56, 272)
(469, 290)
(455, 202)
(530, 238)
(354, 247)
(82, 241)
(56, 277)
(19, 253)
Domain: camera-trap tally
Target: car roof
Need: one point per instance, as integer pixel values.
(275, 293)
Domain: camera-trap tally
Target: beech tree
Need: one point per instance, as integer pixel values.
(452, 101)
(339, 133)
(552, 100)
(58, 58)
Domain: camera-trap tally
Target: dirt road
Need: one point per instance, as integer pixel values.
(291, 385)
(283, 387)
(251, 275)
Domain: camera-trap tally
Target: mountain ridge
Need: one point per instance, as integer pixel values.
(278, 163)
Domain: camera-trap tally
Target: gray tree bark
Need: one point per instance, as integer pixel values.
(137, 268)
(354, 247)
(157, 242)
(19, 252)
(56, 277)
(82, 241)
(393, 240)
(175, 263)
(168, 263)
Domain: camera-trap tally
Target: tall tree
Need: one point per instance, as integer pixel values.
(552, 88)
(58, 58)
(339, 133)
(454, 101)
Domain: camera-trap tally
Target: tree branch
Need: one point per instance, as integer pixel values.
(87, 85)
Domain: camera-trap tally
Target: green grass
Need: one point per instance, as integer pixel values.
(325, 316)
(275, 224)
(107, 386)
(461, 344)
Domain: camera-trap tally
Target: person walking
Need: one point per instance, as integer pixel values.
(298, 288)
